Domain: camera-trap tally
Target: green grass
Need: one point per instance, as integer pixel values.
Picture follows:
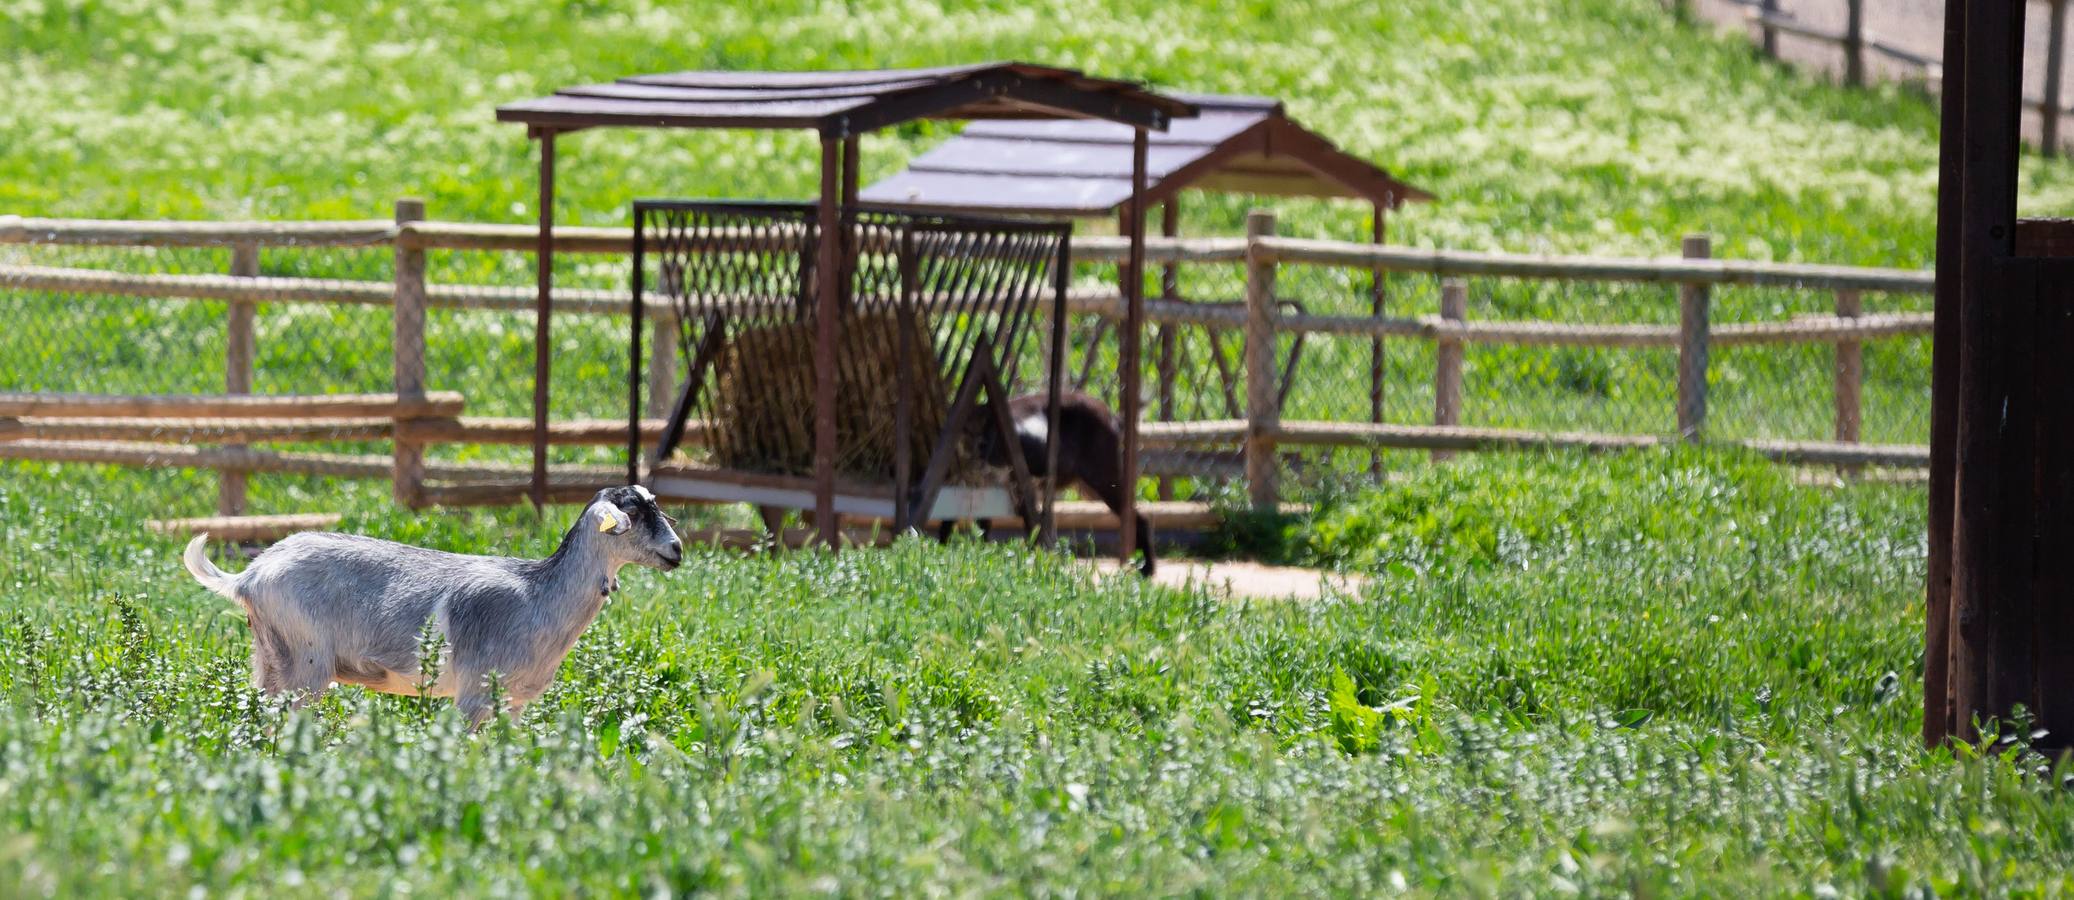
(1676, 674)
(1572, 125)
(1673, 673)
(1598, 126)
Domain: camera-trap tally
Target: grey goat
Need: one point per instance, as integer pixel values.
(334, 607)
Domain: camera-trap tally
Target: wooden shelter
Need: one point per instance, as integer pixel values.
(1999, 630)
(1081, 169)
(839, 106)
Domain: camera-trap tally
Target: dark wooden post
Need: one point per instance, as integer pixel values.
(637, 310)
(1263, 409)
(827, 266)
(1854, 43)
(407, 345)
(1378, 300)
(1448, 353)
(1054, 385)
(1128, 355)
(1938, 718)
(238, 354)
(543, 308)
(904, 393)
(1169, 332)
(1766, 10)
(2011, 593)
(1693, 312)
(1991, 545)
(1850, 371)
(2055, 60)
(1938, 721)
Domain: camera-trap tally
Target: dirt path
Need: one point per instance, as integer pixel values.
(1250, 580)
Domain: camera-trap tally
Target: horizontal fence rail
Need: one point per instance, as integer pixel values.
(155, 431)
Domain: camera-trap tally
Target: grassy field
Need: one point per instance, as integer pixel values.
(1524, 117)
(1672, 674)
(1666, 674)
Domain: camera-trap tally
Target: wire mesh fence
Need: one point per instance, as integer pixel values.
(92, 320)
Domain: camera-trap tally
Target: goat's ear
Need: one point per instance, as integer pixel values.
(610, 519)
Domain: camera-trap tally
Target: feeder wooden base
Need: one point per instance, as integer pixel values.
(862, 501)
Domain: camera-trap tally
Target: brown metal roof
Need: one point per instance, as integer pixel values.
(844, 103)
(1081, 168)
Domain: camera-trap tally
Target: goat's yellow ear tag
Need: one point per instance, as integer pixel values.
(607, 522)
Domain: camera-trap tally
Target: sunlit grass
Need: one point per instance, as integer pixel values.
(1665, 674)
(1681, 672)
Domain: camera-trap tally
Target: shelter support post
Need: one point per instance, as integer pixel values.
(407, 345)
(1055, 385)
(636, 310)
(1127, 350)
(1169, 332)
(1263, 409)
(543, 309)
(904, 389)
(827, 266)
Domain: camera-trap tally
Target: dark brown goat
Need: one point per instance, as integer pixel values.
(1090, 452)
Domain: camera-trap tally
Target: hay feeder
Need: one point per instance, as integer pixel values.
(937, 321)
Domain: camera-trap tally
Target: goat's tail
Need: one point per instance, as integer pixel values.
(204, 571)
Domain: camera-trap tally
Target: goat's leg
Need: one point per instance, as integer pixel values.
(306, 674)
(475, 696)
(474, 701)
(263, 679)
(270, 657)
(1107, 483)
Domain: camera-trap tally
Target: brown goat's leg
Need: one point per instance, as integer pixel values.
(1107, 483)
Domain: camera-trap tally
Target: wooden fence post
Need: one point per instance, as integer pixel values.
(1447, 360)
(662, 364)
(1169, 332)
(1263, 404)
(2055, 62)
(1693, 303)
(1768, 9)
(240, 349)
(1854, 43)
(1850, 371)
(1378, 303)
(408, 344)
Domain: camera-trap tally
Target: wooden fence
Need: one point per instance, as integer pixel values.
(1857, 45)
(159, 431)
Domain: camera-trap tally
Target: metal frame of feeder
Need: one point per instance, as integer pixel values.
(962, 292)
(839, 106)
